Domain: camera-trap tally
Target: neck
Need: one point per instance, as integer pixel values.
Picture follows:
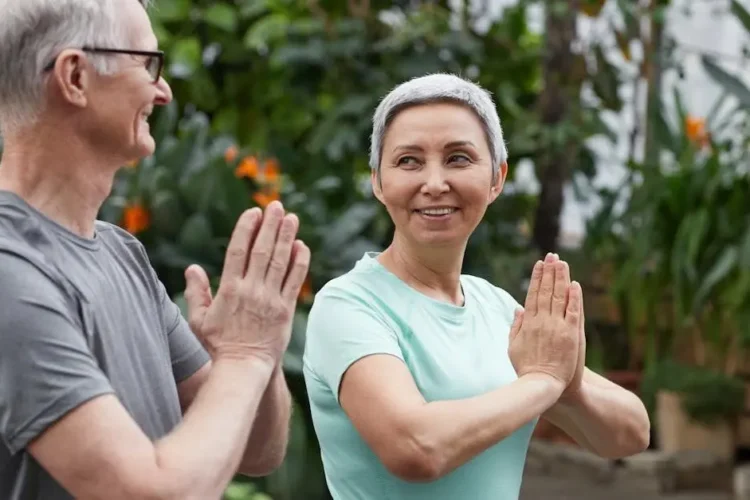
(61, 177)
(436, 272)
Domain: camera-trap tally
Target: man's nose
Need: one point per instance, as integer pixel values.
(164, 95)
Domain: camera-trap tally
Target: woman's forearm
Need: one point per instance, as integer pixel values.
(603, 418)
(447, 434)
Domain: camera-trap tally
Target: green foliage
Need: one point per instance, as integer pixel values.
(681, 244)
(707, 396)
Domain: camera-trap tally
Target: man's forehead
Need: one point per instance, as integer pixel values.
(137, 23)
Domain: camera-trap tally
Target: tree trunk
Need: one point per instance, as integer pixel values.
(557, 100)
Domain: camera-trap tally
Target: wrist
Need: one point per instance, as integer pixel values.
(572, 396)
(552, 385)
(245, 354)
(252, 360)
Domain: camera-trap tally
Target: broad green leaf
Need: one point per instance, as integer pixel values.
(724, 265)
(348, 226)
(698, 229)
(729, 82)
(185, 57)
(745, 250)
(266, 31)
(171, 10)
(742, 15)
(222, 16)
(196, 233)
(166, 213)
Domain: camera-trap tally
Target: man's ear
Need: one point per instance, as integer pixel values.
(73, 74)
(498, 182)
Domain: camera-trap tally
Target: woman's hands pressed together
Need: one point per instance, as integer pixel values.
(547, 335)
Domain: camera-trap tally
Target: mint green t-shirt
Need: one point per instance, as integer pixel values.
(452, 352)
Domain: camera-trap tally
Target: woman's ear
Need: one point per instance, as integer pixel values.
(377, 188)
(499, 181)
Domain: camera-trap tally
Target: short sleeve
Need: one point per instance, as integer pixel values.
(186, 353)
(46, 366)
(342, 329)
(185, 350)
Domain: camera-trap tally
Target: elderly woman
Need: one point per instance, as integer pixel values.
(426, 383)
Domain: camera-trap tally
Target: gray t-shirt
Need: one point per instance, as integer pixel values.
(80, 318)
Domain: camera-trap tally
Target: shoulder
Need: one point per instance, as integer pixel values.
(116, 237)
(26, 250)
(126, 247)
(366, 287)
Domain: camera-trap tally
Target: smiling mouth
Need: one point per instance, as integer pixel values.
(436, 212)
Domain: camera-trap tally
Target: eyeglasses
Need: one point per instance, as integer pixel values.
(154, 61)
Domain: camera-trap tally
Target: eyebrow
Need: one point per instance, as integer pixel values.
(450, 145)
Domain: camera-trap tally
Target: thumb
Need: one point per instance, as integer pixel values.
(197, 295)
(516, 326)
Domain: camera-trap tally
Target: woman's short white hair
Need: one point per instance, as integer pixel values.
(34, 32)
(436, 88)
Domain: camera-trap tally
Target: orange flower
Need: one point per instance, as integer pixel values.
(271, 170)
(230, 154)
(248, 167)
(263, 198)
(306, 292)
(695, 129)
(132, 164)
(135, 218)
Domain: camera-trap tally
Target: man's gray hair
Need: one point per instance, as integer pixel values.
(435, 88)
(34, 32)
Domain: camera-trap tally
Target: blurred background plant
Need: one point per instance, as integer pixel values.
(273, 100)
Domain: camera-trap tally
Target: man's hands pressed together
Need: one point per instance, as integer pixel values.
(252, 312)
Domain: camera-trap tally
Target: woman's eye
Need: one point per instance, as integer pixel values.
(407, 161)
(459, 159)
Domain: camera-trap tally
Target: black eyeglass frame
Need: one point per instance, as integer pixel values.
(158, 54)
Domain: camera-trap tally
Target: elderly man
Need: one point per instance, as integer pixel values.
(105, 391)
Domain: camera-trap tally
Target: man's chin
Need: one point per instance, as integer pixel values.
(146, 147)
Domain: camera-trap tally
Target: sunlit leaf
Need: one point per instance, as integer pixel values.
(222, 16)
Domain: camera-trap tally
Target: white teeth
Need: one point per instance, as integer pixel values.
(438, 211)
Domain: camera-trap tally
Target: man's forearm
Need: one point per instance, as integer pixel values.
(266, 446)
(202, 454)
(603, 418)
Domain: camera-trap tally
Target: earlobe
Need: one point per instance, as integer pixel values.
(498, 182)
(376, 186)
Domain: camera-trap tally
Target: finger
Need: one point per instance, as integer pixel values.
(264, 244)
(560, 288)
(546, 287)
(298, 272)
(197, 295)
(573, 313)
(238, 249)
(534, 284)
(277, 269)
(516, 326)
(582, 319)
